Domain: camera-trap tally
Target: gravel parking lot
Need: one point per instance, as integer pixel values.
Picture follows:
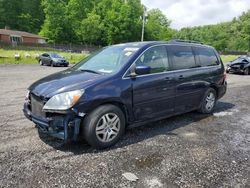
(190, 150)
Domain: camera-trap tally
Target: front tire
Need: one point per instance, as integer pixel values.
(40, 62)
(246, 71)
(208, 102)
(52, 64)
(104, 126)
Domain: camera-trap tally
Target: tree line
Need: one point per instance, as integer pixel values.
(227, 36)
(104, 22)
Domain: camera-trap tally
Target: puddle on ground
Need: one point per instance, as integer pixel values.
(189, 134)
(148, 161)
(221, 114)
(154, 182)
(207, 119)
(199, 153)
(243, 109)
(226, 113)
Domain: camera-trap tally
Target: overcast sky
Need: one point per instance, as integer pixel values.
(185, 13)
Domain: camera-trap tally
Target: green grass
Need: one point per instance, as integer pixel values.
(7, 56)
(227, 58)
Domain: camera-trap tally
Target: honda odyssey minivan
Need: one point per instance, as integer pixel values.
(126, 85)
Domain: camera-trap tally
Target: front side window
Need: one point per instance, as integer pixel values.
(156, 58)
(183, 57)
(108, 60)
(207, 56)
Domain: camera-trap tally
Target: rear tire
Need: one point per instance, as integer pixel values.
(104, 126)
(208, 102)
(246, 71)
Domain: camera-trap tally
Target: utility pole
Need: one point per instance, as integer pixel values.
(143, 22)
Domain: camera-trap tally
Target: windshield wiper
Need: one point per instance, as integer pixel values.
(88, 70)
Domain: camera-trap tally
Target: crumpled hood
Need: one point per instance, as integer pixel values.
(64, 81)
(237, 63)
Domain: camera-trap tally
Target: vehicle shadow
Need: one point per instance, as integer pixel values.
(138, 134)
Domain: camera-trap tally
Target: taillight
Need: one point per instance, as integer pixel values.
(224, 77)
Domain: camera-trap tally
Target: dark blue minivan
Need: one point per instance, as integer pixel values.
(126, 85)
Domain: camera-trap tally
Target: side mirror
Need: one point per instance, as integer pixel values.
(142, 69)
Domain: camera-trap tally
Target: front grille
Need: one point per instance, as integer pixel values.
(37, 106)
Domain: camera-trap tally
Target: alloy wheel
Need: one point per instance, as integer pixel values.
(108, 127)
(210, 101)
(246, 71)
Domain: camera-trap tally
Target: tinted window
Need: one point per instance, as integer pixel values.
(207, 56)
(156, 58)
(45, 55)
(183, 57)
(55, 56)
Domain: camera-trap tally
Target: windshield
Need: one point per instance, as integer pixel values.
(55, 56)
(108, 60)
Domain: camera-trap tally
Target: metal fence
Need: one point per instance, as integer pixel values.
(233, 53)
(79, 48)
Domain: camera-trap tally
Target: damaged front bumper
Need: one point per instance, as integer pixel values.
(235, 70)
(62, 126)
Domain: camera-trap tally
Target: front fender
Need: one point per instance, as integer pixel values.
(116, 91)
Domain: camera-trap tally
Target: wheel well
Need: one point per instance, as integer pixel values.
(119, 105)
(216, 90)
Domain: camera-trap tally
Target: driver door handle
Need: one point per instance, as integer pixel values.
(181, 77)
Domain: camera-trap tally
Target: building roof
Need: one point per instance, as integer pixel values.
(19, 33)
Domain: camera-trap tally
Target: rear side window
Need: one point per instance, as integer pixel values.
(183, 57)
(206, 56)
(45, 55)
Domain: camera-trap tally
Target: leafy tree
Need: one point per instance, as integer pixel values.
(31, 18)
(157, 26)
(11, 10)
(91, 29)
(104, 22)
(234, 35)
(121, 20)
(23, 15)
(76, 11)
(56, 25)
(2, 13)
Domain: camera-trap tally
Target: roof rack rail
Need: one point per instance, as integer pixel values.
(186, 41)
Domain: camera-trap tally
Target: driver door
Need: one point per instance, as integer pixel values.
(154, 93)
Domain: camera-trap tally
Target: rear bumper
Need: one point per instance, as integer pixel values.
(65, 127)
